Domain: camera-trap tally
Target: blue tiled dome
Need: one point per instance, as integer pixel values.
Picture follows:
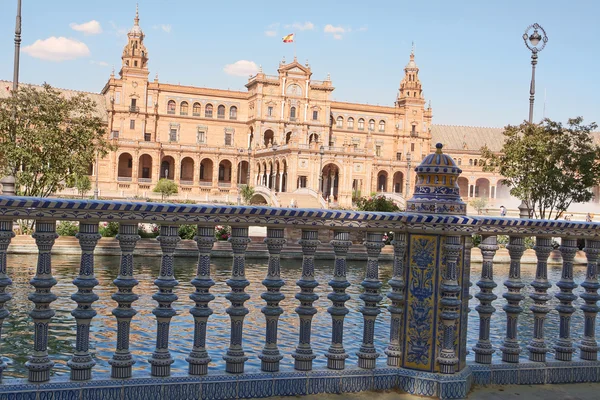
(436, 187)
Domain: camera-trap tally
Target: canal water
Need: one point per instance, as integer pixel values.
(17, 333)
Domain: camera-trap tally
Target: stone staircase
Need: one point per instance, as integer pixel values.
(303, 200)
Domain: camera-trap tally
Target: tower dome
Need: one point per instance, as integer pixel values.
(436, 186)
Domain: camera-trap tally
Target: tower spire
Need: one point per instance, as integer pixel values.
(136, 20)
(412, 51)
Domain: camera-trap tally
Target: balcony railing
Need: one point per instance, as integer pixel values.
(427, 312)
(206, 183)
(134, 109)
(124, 178)
(145, 180)
(224, 184)
(186, 183)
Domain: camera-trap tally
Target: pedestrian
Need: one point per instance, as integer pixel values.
(502, 211)
(588, 217)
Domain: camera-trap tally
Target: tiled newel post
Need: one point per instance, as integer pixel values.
(396, 295)
(436, 296)
(589, 346)
(483, 349)
(6, 234)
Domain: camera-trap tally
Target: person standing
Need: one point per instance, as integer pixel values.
(502, 211)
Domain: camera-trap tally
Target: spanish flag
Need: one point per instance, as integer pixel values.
(289, 38)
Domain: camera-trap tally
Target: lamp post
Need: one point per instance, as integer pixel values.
(96, 192)
(536, 43)
(407, 190)
(273, 173)
(248, 173)
(321, 153)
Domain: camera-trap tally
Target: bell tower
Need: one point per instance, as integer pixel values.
(135, 56)
(410, 87)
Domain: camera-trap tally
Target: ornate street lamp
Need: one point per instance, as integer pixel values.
(248, 174)
(321, 153)
(273, 173)
(536, 43)
(96, 191)
(408, 159)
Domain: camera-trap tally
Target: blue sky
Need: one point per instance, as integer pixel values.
(475, 68)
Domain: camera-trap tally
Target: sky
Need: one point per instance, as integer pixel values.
(474, 66)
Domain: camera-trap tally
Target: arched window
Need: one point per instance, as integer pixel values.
(233, 112)
(197, 109)
(361, 124)
(382, 126)
(208, 110)
(293, 113)
(221, 111)
(339, 122)
(171, 107)
(459, 161)
(183, 108)
(470, 161)
(350, 123)
(475, 162)
(371, 124)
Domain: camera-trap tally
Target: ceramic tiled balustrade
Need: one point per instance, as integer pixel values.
(427, 349)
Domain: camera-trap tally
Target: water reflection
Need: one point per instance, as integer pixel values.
(17, 335)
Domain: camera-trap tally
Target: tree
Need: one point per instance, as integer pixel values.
(166, 188)
(479, 204)
(377, 203)
(548, 165)
(83, 185)
(46, 138)
(247, 192)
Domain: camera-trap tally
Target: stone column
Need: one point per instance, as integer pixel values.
(564, 346)
(510, 348)
(303, 354)
(483, 349)
(336, 355)
(280, 182)
(538, 347)
(367, 354)
(39, 363)
(396, 296)
(235, 357)
(6, 234)
(81, 363)
(589, 346)
(450, 290)
(270, 355)
(122, 361)
(198, 357)
(161, 359)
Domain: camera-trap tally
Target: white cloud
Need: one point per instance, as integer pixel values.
(362, 29)
(241, 68)
(88, 28)
(307, 26)
(100, 63)
(337, 36)
(271, 33)
(164, 27)
(118, 31)
(334, 29)
(57, 49)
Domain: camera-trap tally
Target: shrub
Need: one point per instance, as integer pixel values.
(148, 234)
(377, 203)
(222, 232)
(165, 187)
(388, 237)
(187, 232)
(479, 204)
(67, 228)
(109, 229)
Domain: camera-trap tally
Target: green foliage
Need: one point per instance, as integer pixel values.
(109, 229)
(146, 233)
(479, 204)
(548, 165)
(67, 228)
(82, 184)
(165, 187)
(388, 237)
(46, 138)
(187, 232)
(247, 192)
(222, 232)
(376, 203)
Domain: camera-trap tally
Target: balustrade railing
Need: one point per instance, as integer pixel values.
(410, 295)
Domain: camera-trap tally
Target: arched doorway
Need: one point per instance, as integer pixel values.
(206, 172)
(125, 166)
(225, 172)
(482, 188)
(330, 183)
(243, 172)
(187, 170)
(268, 138)
(382, 177)
(288, 137)
(258, 200)
(284, 176)
(313, 138)
(463, 187)
(502, 190)
(398, 182)
(167, 168)
(145, 167)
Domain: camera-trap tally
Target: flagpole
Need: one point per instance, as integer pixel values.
(294, 46)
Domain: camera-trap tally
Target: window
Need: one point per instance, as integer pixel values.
(173, 135)
(269, 111)
(378, 151)
(135, 64)
(350, 123)
(459, 161)
(114, 135)
(208, 111)
(398, 156)
(340, 122)
(147, 137)
(361, 124)
(412, 147)
(413, 131)
(355, 145)
(302, 180)
(221, 111)
(133, 103)
(475, 162)
(233, 112)
(132, 124)
(381, 126)
(183, 108)
(228, 137)
(171, 107)
(130, 163)
(293, 113)
(201, 136)
(470, 161)
(371, 124)
(315, 115)
(196, 110)
(118, 97)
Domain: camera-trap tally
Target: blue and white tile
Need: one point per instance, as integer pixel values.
(255, 385)
(182, 391)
